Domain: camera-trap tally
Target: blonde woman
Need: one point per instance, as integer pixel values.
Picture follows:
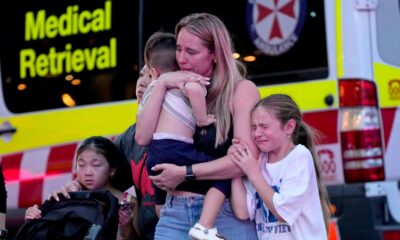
(204, 53)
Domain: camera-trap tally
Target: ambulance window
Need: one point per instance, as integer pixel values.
(69, 53)
(286, 46)
(388, 30)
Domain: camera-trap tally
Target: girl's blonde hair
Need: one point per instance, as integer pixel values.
(285, 109)
(227, 71)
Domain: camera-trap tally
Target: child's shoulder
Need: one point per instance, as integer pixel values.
(301, 149)
(302, 154)
(117, 193)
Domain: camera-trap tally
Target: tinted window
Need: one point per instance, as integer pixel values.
(68, 53)
(388, 30)
(305, 60)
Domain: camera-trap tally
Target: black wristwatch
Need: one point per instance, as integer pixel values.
(3, 234)
(190, 177)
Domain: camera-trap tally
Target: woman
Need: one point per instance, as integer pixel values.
(204, 52)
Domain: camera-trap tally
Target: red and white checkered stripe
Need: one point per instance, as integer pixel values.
(32, 175)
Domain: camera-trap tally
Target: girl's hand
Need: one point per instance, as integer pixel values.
(125, 218)
(33, 213)
(170, 176)
(235, 144)
(72, 186)
(179, 78)
(125, 223)
(244, 159)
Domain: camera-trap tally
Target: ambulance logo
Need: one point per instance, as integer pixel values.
(275, 25)
(394, 89)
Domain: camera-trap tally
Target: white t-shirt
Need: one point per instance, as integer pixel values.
(296, 199)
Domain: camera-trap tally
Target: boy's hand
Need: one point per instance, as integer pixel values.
(210, 119)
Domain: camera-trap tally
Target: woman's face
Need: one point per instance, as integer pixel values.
(192, 55)
(93, 170)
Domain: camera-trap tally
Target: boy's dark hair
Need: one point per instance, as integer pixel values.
(160, 52)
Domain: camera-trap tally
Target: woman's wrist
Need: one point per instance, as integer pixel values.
(189, 176)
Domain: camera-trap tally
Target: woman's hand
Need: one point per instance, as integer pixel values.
(33, 213)
(72, 186)
(179, 78)
(169, 177)
(244, 159)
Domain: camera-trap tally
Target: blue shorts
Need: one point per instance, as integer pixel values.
(182, 154)
(179, 214)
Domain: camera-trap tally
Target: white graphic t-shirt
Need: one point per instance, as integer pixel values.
(296, 199)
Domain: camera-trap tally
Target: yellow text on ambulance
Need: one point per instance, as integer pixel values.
(72, 22)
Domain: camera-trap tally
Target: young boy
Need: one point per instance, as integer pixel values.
(172, 141)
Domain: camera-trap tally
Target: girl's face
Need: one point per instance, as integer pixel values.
(192, 55)
(93, 170)
(268, 132)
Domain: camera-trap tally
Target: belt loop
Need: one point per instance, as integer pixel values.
(171, 199)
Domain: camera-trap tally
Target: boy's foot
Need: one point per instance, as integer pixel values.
(199, 232)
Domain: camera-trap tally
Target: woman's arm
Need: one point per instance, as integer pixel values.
(172, 175)
(245, 97)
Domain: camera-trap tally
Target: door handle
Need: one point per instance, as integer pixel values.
(7, 130)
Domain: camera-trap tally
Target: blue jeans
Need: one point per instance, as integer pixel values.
(179, 214)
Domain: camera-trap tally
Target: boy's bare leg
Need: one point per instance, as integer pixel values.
(212, 203)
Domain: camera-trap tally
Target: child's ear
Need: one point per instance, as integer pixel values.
(154, 73)
(290, 126)
(113, 171)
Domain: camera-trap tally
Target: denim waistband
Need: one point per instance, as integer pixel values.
(184, 201)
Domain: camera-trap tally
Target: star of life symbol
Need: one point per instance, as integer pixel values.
(275, 24)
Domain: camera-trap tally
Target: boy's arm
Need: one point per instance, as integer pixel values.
(196, 94)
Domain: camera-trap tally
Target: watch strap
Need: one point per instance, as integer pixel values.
(189, 174)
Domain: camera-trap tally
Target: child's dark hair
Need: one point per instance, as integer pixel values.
(284, 109)
(160, 52)
(105, 147)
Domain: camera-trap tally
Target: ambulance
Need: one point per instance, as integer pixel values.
(68, 71)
